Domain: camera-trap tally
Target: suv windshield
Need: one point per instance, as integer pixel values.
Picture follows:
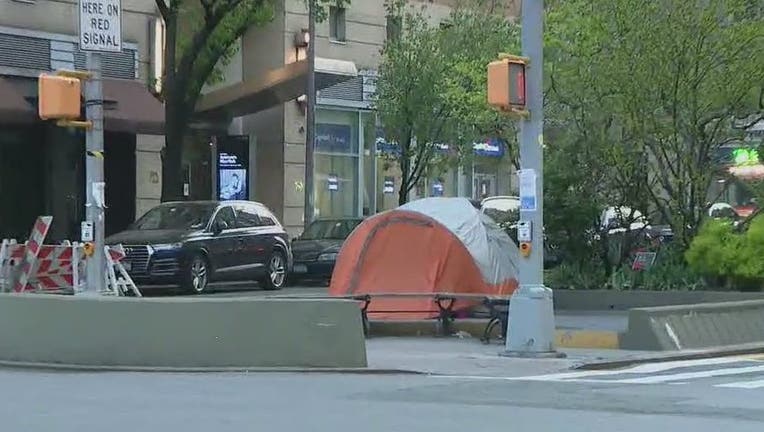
(330, 229)
(182, 216)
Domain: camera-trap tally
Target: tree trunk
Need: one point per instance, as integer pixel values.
(172, 159)
(172, 154)
(403, 192)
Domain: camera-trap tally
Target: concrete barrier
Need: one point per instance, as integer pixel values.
(695, 326)
(181, 332)
(591, 300)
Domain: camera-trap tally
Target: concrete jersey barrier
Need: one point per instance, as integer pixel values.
(625, 300)
(695, 326)
(181, 332)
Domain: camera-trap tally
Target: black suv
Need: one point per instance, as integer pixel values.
(194, 242)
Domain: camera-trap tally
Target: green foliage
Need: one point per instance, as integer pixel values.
(720, 251)
(650, 90)
(432, 87)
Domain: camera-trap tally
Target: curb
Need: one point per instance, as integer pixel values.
(726, 351)
(56, 367)
(564, 338)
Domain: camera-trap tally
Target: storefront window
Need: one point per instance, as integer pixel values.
(336, 163)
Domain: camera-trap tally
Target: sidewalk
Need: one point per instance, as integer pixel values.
(575, 329)
(469, 356)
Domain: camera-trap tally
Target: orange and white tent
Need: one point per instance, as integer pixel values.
(429, 246)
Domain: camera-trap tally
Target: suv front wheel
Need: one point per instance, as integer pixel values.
(196, 275)
(276, 274)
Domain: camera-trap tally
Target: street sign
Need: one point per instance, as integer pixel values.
(643, 261)
(527, 189)
(101, 25)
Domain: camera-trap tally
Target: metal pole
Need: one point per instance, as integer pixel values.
(95, 186)
(531, 315)
(310, 118)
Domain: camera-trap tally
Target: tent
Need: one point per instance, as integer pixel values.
(433, 245)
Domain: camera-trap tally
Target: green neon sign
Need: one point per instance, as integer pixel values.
(744, 156)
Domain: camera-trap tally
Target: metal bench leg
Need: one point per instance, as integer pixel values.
(446, 315)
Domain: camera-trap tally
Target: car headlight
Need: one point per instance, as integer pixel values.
(167, 246)
(328, 257)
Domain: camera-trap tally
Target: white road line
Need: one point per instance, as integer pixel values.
(743, 384)
(579, 376)
(687, 375)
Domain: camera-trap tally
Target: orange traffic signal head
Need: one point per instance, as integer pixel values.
(506, 83)
(59, 97)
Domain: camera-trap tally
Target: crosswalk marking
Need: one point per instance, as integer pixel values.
(684, 376)
(671, 373)
(641, 369)
(743, 384)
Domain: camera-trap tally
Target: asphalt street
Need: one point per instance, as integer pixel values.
(699, 396)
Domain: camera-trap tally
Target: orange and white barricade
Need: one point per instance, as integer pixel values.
(36, 267)
(55, 268)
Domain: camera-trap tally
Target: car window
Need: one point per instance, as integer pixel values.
(176, 216)
(246, 217)
(330, 229)
(267, 218)
(226, 215)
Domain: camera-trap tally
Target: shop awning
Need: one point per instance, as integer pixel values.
(13, 107)
(128, 105)
(272, 88)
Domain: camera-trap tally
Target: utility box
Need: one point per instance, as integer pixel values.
(506, 83)
(59, 97)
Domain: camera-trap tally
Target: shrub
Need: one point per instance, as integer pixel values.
(731, 257)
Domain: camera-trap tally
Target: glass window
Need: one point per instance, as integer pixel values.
(226, 215)
(266, 217)
(246, 217)
(330, 229)
(176, 217)
(337, 23)
(336, 163)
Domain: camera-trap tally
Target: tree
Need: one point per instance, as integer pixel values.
(661, 83)
(200, 35)
(431, 89)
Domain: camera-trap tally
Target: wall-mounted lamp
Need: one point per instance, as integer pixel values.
(301, 42)
(302, 102)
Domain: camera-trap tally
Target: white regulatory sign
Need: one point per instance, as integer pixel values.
(101, 25)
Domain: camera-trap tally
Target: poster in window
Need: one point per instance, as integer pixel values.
(233, 169)
(333, 183)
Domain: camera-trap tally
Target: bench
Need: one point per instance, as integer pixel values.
(497, 308)
(445, 303)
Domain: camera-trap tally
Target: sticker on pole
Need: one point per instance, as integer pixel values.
(101, 25)
(527, 189)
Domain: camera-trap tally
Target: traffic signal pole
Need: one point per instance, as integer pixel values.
(531, 315)
(95, 186)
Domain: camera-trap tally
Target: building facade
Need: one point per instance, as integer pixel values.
(353, 176)
(42, 165)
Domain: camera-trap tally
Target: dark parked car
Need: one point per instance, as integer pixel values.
(195, 242)
(315, 251)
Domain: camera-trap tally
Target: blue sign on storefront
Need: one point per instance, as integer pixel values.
(334, 138)
(488, 148)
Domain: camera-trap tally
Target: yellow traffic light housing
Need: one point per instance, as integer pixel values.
(506, 84)
(59, 97)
